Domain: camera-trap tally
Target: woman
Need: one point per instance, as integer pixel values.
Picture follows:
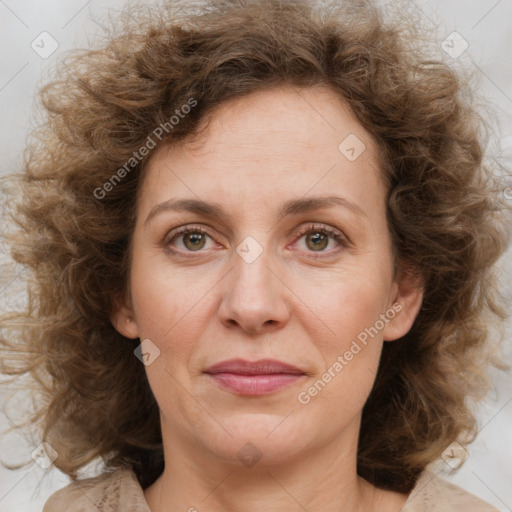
(263, 243)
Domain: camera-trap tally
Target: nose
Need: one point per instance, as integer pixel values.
(254, 298)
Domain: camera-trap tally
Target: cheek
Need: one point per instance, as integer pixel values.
(350, 354)
(348, 338)
(343, 303)
(162, 296)
(172, 309)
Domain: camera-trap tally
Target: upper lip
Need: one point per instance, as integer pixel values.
(260, 367)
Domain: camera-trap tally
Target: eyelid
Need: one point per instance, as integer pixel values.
(186, 229)
(334, 232)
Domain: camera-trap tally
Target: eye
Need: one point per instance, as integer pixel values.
(317, 238)
(188, 239)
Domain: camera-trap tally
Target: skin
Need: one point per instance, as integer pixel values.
(258, 152)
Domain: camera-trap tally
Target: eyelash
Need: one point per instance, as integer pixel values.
(340, 238)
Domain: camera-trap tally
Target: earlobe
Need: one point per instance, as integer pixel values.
(406, 305)
(122, 318)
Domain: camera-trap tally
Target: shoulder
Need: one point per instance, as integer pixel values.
(432, 493)
(109, 492)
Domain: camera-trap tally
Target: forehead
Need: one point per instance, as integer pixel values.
(280, 120)
(272, 143)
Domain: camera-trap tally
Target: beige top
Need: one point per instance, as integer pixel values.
(120, 491)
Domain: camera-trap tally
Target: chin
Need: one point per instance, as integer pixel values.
(262, 439)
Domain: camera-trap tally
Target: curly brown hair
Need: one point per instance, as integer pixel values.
(74, 230)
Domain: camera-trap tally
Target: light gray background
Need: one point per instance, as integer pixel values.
(484, 24)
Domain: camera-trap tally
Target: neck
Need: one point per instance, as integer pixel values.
(323, 478)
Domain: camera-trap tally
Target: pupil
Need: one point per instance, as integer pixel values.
(318, 237)
(195, 239)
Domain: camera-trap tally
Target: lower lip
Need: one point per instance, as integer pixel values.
(254, 385)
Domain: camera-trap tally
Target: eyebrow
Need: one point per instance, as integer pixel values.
(291, 207)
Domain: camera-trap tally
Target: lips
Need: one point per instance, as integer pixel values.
(253, 378)
(261, 367)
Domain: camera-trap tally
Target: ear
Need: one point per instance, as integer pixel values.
(123, 318)
(408, 297)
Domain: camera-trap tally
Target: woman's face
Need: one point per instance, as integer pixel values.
(287, 258)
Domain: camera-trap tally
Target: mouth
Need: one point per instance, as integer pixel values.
(254, 378)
